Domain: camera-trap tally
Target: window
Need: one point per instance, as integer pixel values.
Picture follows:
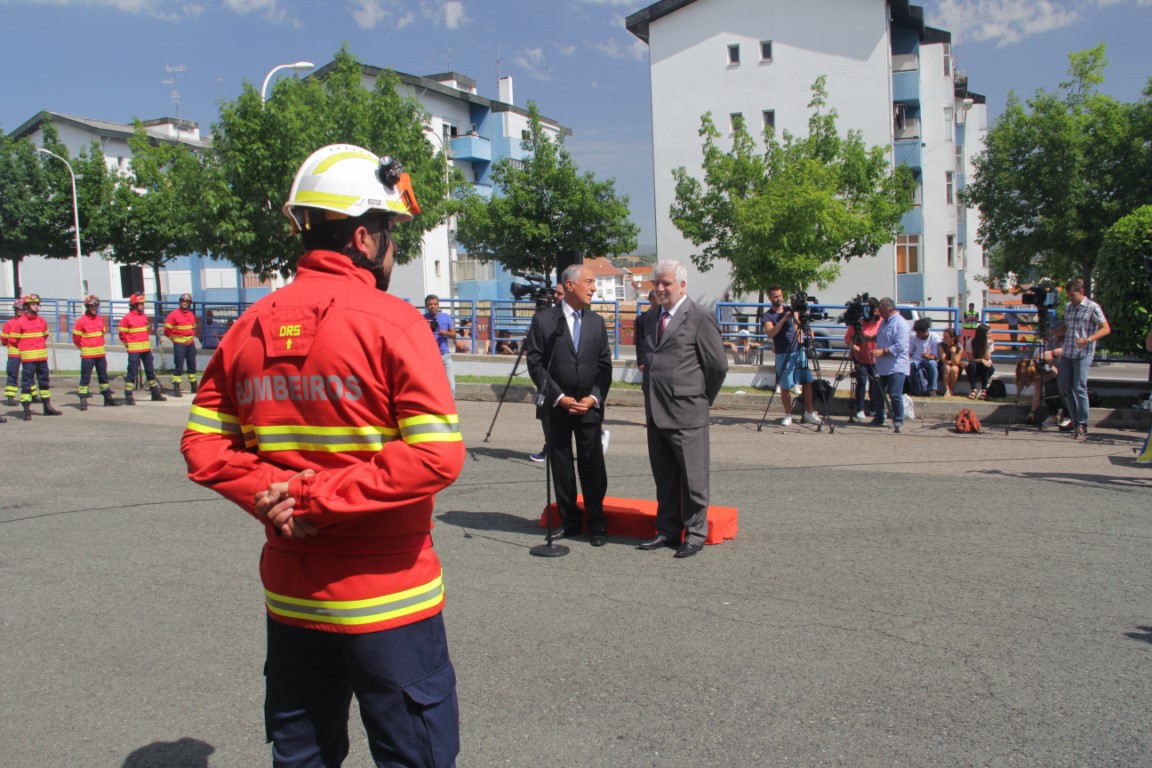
(907, 254)
(948, 129)
(737, 119)
(950, 187)
(769, 118)
(950, 250)
(918, 192)
(734, 54)
(765, 50)
(437, 265)
(947, 60)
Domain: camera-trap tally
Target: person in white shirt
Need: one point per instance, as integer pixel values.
(922, 353)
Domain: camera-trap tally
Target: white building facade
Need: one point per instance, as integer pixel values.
(473, 131)
(889, 77)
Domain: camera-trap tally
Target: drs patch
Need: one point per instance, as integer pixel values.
(289, 331)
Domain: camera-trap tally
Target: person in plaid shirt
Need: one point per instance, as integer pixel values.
(1084, 325)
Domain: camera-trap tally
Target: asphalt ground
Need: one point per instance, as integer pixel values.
(921, 599)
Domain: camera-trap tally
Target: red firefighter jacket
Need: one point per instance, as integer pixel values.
(180, 326)
(31, 336)
(134, 331)
(7, 338)
(331, 374)
(88, 335)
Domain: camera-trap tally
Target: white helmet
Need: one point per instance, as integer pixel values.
(347, 181)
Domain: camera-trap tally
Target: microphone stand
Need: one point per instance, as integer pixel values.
(548, 548)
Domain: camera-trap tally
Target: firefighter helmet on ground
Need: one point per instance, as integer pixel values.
(91, 300)
(136, 298)
(346, 181)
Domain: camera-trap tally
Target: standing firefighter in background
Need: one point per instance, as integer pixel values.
(88, 335)
(134, 328)
(12, 384)
(180, 326)
(31, 333)
(326, 414)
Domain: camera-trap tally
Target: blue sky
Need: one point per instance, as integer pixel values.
(106, 59)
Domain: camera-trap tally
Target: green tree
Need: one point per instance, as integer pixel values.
(36, 202)
(258, 147)
(1054, 176)
(1122, 280)
(545, 206)
(791, 214)
(146, 221)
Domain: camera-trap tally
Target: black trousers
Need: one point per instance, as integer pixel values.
(562, 430)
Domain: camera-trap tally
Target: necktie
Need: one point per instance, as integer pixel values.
(663, 324)
(576, 330)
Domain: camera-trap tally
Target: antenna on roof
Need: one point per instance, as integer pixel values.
(175, 95)
(447, 54)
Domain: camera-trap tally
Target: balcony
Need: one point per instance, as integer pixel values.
(907, 153)
(906, 86)
(913, 221)
(472, 147)
(910, 130)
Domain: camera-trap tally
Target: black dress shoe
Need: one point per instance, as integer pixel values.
(658, 542)
(598, 539)
(688, 550)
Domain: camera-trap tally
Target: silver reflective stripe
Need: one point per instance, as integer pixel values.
(202, 418)
(357, 611)
(429, 428)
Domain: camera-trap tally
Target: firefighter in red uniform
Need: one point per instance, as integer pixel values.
(12, 385)
(88, 336)
(134, 333)
(326, 414)
(31, 333)
(180, 326)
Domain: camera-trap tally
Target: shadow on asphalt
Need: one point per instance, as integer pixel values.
(185, 753)
(1142, 633)
(489, 521)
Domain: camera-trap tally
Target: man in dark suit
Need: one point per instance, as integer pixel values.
(569, 360)
(685, 365)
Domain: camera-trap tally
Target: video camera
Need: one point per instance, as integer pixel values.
(535, 288)
(857, 310)
(800, 304)
(1041, 296)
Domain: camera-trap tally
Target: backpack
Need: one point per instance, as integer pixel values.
(918, 380)
(967, 422)
(997, 389)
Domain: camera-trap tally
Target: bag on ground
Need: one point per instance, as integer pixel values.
(967, 422)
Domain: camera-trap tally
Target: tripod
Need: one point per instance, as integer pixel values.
(1035, 352)
(811, 363)
(507, 384)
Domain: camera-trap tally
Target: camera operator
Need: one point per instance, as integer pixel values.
(864, 362)
(892, 361)
(1084, 325)
(791, 362)
(441, 325)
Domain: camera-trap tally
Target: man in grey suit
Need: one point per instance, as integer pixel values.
(684, 366)
(569, 360)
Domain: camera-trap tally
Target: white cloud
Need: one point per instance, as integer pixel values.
(567, 50)
(613, 49)
(1005, 22)
(532, 61)
(165, 10)
(368, 14)
(453, 14)
(406, 20)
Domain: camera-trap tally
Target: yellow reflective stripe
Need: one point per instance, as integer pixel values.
(304, 197)
(33, 355)
(357, 612)
(92, 351)
(327, 163)
(431, 428)
(299, 437)
(213, 422)
(89, 334)
(182, 339)
(139, 346)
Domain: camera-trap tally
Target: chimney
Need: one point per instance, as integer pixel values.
(505, 90)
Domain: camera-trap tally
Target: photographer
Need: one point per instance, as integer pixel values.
(441, 325)
(864, 362)
(892, 361)
(791, 362)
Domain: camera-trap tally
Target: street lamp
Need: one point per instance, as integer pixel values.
(447, 194)
(298, 66)
(75, 214)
